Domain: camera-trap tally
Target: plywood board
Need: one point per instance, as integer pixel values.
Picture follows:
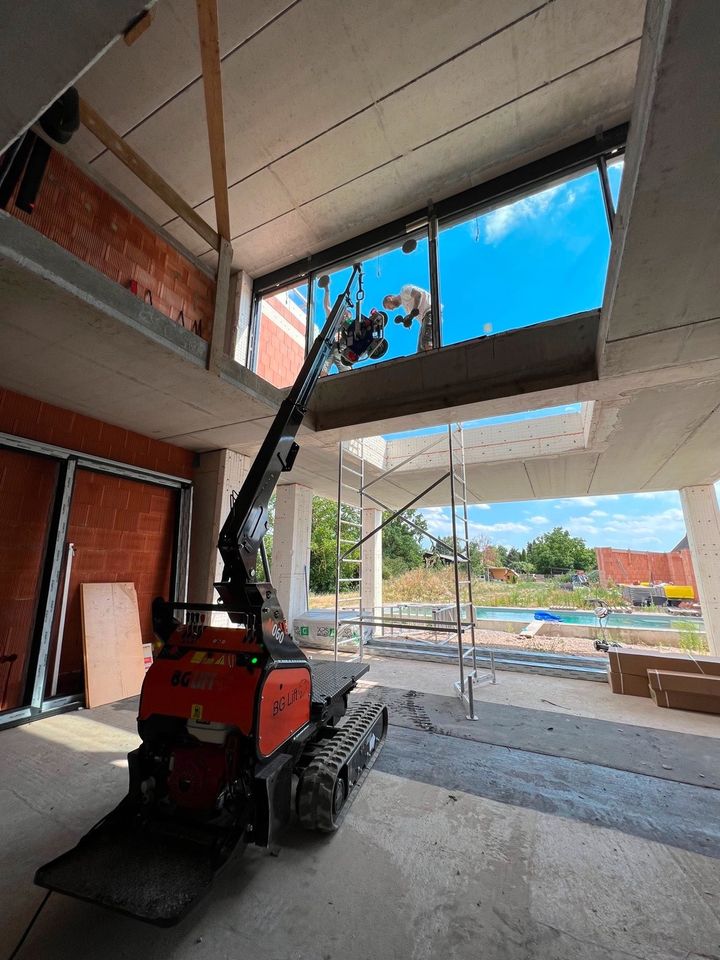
(112, 642)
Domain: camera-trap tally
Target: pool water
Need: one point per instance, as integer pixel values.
(634, 621)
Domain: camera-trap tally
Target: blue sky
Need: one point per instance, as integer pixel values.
(640, 521)
(636, 521)
(540, 257)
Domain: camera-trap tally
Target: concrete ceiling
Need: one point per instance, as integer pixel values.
(41, 54)
(662, 296)
(340, 117)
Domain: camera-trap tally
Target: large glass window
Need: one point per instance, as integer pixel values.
(537, 258)
(396, 281)
(281, 328)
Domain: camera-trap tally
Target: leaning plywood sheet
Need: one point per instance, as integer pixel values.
(112, 642)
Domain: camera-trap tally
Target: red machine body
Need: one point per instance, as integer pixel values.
(213, 675)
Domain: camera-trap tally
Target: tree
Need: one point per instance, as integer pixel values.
(481, 554)
(558, 551)
(402, 544)
(402, 548)
(501, 556)
(322, 545)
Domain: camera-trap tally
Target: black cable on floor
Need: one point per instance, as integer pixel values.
(29, 927)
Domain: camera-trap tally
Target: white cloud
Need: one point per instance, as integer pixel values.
(598, 513)
(583, 526)
(627, 531)
(439, 524)
(503, 527)
(594, 501)
(539, 520)
(498, 223)
(480, 506)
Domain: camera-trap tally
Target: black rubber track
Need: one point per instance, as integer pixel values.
(317, 788)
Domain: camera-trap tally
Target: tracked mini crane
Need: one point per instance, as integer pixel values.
(235, 722)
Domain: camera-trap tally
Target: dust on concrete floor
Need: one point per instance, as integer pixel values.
(453, 848)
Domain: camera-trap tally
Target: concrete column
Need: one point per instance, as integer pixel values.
(242, 300)
(215, 477)
(291, 548)
(702, 521)
(372, 562)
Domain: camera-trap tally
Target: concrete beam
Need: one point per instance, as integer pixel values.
(542, 357)
(108, 354)
(662, 302)
(702, 522)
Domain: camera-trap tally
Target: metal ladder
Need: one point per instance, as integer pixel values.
(348, 565)
(465, 613)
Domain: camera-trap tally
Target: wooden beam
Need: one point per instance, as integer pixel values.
(218, 338)
(212, 81)
(143, 171)
(139, 27)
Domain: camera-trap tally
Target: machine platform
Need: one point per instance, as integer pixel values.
(331, 679)
(149, 876)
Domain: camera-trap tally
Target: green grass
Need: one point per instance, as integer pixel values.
(437, 586)
(690, 637)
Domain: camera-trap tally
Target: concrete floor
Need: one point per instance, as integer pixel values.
(455, 847)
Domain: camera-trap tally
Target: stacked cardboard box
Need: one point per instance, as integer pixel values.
(635, 673)
(685, 691)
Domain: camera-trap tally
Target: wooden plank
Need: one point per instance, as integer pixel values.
(212, 81)
(143, 171)
(532, 628)
(138, 28)
(112, 642)
(222, 297)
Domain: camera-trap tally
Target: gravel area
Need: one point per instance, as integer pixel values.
(576, 645)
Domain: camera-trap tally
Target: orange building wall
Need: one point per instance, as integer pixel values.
(27, 489)
(123, 531)
(644, 566)
(80, 216)
(25, 417)
(279, 356)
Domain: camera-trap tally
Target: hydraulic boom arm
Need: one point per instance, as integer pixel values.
(243, 531)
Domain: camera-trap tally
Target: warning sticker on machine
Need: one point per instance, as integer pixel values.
(196, 711)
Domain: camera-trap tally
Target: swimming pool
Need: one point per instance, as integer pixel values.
(633, 621)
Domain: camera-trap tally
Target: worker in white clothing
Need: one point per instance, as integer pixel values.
(416, 303)
(334, 359)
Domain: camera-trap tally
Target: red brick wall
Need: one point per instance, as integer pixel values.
(279, 357)
(27, 486)
(26, 417)
(642, 566)
(78, 215)
(123, 531)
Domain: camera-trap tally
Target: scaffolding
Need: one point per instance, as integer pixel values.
(454, 621)
(348, 544)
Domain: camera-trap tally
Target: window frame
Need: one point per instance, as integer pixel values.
(593, 153)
